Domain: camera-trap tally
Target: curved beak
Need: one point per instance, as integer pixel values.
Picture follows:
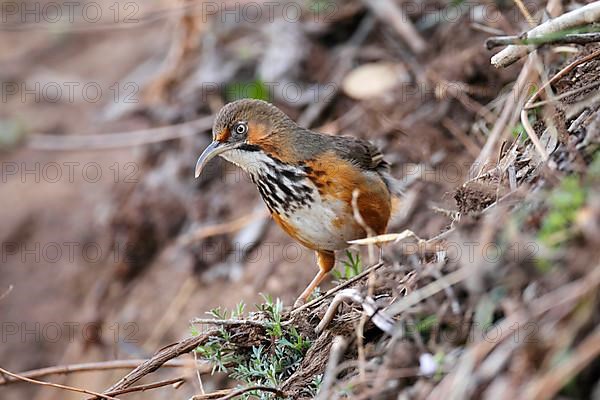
(213, 150)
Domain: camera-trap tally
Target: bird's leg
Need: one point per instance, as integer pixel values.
(326, 261)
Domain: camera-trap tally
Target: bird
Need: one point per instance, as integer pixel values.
(306, 179)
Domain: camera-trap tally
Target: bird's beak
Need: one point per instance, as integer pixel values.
(213, 150)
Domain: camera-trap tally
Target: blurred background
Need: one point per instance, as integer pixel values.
(110, 246)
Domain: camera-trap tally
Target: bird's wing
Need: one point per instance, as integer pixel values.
(367, 156)
(360, 152)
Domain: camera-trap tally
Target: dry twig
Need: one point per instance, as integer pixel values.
(233, 322)
(337, 288)
(176, 383)
(381, 320)
(6, 292)
(560, 297)
(38, 141)
(427, 291)
(511, 104)
(524, 117)
(231, 393)
(97, 366)
(547, 386)
(338, 347)
(158, 360)
(581, 16)
(390, 13)
(572, 38)
(204, 232)
(56, 385)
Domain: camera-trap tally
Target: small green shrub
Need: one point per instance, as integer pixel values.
(563, 205)
(351, 267)
(267, 364)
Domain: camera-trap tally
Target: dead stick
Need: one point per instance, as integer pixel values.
(94, 366)
(553, 381)
(230, 394)
(6, 292)
(239, 392)
(338, 347)
(581, 16)
(524, 117)
(38, 141)
(230, 322)
(158, 360)
(155, 385)
(337, 288)
(572, 38)
(390, 13)
(56, 385)
(562, 73)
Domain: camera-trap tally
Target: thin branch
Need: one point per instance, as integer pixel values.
(524, 116)
(428, 290)
(338, 348)
(360, 221)
(6, 292)
(511, 104)
(141, 388)
(231, 322)
(388, 12)
(96, 366)
(560, 297)
(570, 38)
(231, 393)
(563, 95)
(581, 16)
(533, 136)
(198, 374)
(220, 229)
(382, 321)
(553, 381)
(56, 385)
(467, 141)
(337, 288)
(158, 360)
(530, 20)
(560, 74)
(213, 395)
(38, 141)
(239, 392)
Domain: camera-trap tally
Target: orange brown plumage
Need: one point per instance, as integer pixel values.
(305, 178)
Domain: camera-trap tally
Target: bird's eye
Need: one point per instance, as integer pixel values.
(241, 128)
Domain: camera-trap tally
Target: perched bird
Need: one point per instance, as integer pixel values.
(305, 178)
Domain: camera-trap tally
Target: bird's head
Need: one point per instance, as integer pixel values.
(242, 128)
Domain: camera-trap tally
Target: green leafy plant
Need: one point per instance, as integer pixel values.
(267, 364)
(563, 204)
(351, 267)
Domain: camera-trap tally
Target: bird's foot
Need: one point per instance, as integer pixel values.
(300, 301)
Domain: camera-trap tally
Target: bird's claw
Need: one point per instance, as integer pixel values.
(299, 302)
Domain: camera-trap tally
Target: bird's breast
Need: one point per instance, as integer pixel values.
(312, 202)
